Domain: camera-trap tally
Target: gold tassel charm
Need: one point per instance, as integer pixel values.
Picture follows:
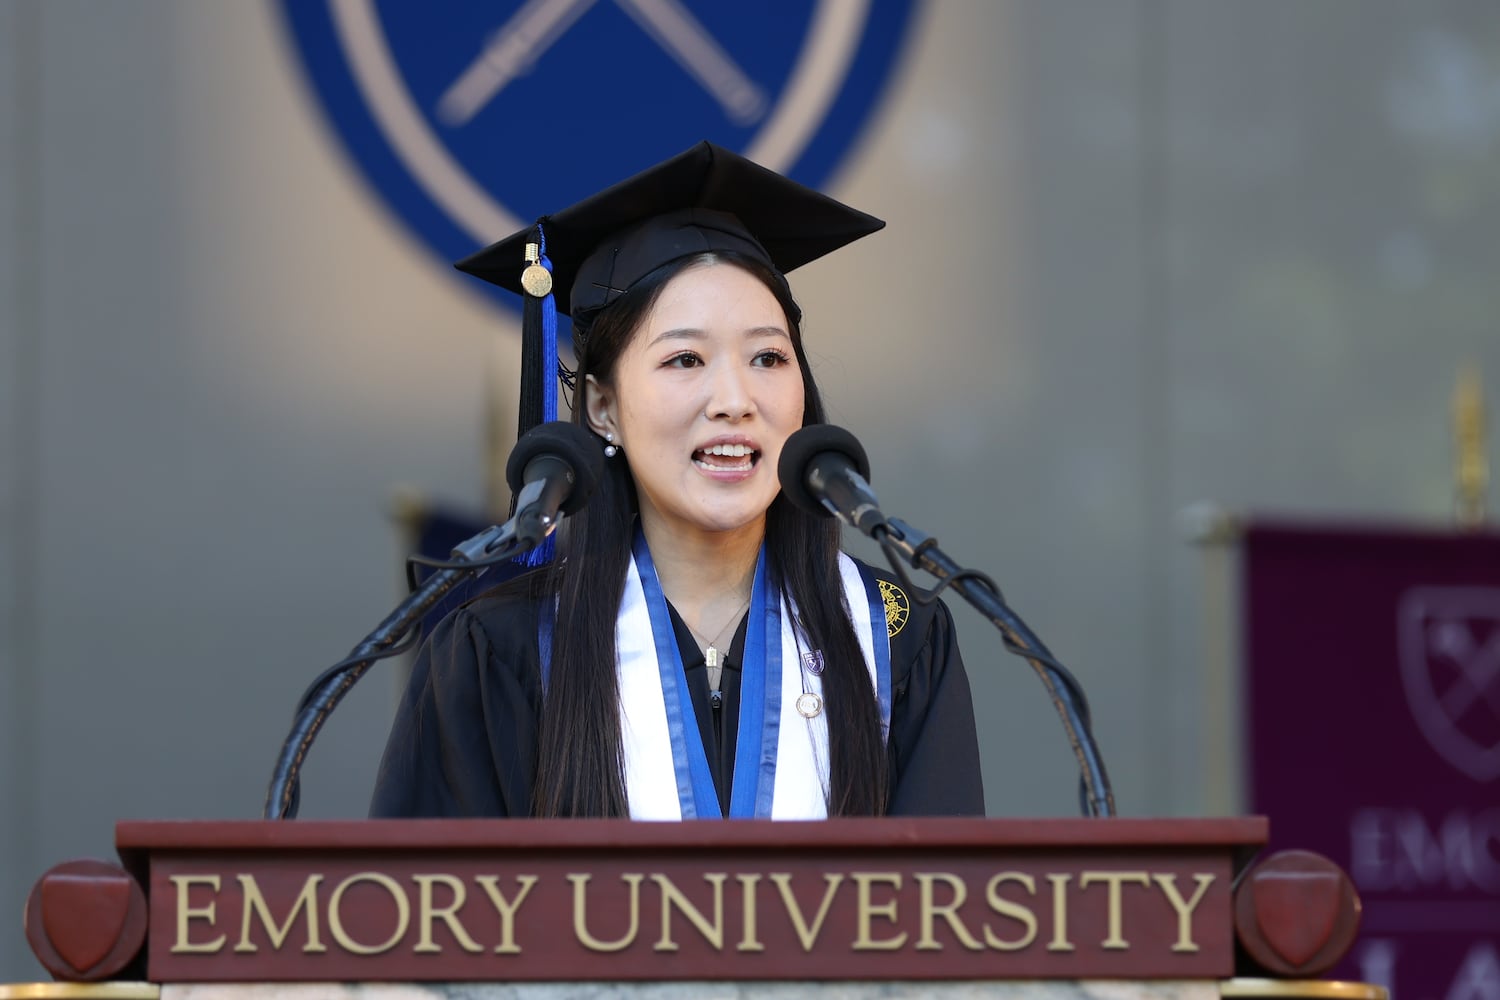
(536, 279)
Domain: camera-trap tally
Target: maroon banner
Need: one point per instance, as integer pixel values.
(1373, 678)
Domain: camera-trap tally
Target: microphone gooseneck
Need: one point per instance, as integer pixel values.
(824, 470)
(553, 469)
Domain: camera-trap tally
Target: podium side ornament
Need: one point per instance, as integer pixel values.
(86, 920)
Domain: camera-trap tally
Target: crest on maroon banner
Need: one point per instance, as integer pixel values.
(1450, 668)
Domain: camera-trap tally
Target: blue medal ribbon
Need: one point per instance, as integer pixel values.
(880, 642)
(760, 701)
(760, 704)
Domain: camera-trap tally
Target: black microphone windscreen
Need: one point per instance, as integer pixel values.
(565, 441)
(805, 445)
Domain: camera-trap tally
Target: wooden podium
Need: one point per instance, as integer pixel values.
(940, 902)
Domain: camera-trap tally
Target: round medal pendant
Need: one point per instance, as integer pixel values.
(537, 281)
(809, 705)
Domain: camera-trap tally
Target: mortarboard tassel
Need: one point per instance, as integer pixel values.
(538, 359)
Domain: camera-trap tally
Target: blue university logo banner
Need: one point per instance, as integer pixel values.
(471, 119)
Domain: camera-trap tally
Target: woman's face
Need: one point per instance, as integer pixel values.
(703, 397)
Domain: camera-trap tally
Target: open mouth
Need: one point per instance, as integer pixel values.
(726, 458)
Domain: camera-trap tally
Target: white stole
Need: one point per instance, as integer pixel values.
(648, 727)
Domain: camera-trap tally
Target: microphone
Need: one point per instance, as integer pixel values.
(552, 471)
(824, 471)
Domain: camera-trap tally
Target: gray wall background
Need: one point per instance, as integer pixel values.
(1141, 253)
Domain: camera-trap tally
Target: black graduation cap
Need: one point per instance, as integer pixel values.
(706, 198)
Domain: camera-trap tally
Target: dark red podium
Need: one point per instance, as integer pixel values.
(578, 900)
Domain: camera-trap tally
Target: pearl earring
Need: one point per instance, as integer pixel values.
(610, 450)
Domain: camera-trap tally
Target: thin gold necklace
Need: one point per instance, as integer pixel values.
(713, 657)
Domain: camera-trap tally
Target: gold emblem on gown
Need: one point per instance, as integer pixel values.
(897, 607)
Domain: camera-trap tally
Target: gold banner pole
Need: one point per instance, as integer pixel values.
(1471, 464)
(1217, 533)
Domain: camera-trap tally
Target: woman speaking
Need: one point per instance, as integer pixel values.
(698, 647)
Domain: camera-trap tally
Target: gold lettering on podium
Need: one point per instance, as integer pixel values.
(1059, 940)
(255, 903)
(290, 913)
(427, 913)
(336, 919)
(581, 920)
(867, 910)
(807, 935)
(671, 897)
(1009, 908)
(749, 941)
(948, 911)
(186, 913)
(1184, 910)
(1115, 940)
(506, 908)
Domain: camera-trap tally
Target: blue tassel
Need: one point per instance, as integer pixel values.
(549, 350)
(542, 554)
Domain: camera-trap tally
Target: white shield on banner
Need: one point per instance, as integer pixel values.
(1449, 645)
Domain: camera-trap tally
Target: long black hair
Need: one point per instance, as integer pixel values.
(580, 761)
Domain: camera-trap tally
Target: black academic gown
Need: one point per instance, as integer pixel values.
(465, 736)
